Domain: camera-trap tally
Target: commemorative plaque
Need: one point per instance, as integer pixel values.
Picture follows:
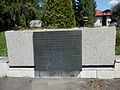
(57, 50)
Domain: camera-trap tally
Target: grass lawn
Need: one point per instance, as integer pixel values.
(3, 49)
(117, 49)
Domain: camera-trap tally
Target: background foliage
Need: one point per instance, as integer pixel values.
(85, 8)
(59, 14)
(18, 13)
(3, 48)
(117, 42)
(116, 14)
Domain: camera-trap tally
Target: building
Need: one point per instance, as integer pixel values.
(102, 18)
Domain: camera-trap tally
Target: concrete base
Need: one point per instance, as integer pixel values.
(88, 73)
(3, 66)
(3, 69)
(117, 69)
(98, 47)
(101, 73)
(105, 74)
(21, 72)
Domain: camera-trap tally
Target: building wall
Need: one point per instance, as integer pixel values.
(108, 20)
(98, 21)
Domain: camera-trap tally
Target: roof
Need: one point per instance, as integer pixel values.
(101, 13)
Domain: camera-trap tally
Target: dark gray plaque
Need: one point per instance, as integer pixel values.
(57, 50)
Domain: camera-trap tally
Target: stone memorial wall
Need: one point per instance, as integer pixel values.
(60, 50)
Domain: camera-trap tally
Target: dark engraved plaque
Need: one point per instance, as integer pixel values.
(57, 50)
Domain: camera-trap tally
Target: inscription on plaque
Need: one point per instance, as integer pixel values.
(57, 50)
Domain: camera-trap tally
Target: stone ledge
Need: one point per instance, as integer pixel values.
(117, 61)
(117, 69)
(88, 74)
(3, 59)
(3, 68)
(117, 57)
(105, 74)
(21, 72)
(101, 73)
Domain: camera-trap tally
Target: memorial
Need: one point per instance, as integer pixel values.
(60, 52)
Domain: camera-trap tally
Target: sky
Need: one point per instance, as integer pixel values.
(106, 4)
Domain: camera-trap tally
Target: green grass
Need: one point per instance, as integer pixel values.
(3, 48)
(117, 48)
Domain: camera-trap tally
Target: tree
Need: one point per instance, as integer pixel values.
(29, 10)
(85, 9)
(8, 13)
(74, 5)
(18, 12)
(59, 14)
(116, 13)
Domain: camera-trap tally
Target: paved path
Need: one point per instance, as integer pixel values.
(58, 84)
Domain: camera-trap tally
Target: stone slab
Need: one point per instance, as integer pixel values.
(98, 46)
(20, 48)
(21, 72)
